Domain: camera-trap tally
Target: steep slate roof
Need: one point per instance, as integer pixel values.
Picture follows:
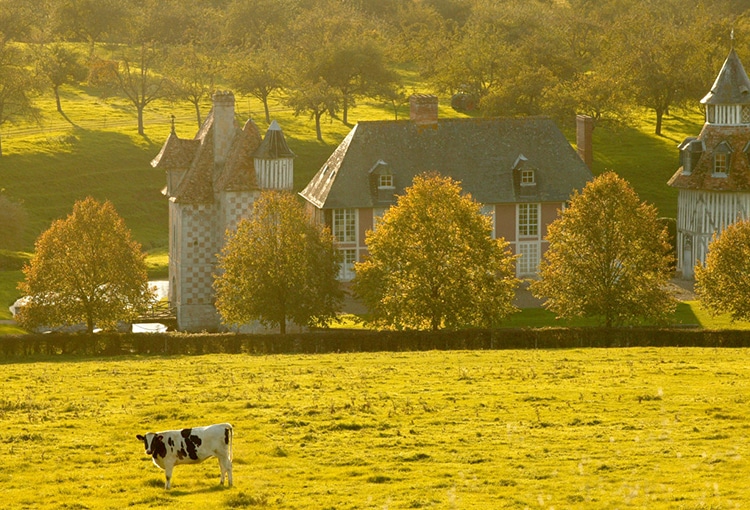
(274, 144)
(196, 157)
(702, 177)
(480, 153)
(732, 86)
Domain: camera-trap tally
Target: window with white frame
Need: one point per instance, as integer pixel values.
(385, 181)
(528, 220)
(346, 271)
(489, 211)
(528, 262)
(721, 163)
(345, 225)
(527, 177)
(377, 216)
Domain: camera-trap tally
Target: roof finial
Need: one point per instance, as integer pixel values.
(173, 124)
(731, 39)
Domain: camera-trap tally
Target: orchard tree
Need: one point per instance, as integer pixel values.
(434, 264)
(278, 266)
(258, 72)
(723, 283)
(608, 257)
(85, 269)
(59, 65)
(15, 86)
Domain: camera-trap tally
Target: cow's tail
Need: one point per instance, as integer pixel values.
(229, 431)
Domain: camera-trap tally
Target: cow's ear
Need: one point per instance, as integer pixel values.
(160, 437)
(140, 437)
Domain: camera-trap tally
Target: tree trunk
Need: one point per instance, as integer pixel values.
(57, 100)
(140, 120)
(265, 107)
(659, 115)
(318, 133)
(198, 113)
(345, 107)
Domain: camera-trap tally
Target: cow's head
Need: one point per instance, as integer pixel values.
(153, 443)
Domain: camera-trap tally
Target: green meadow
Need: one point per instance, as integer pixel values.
(597, 428)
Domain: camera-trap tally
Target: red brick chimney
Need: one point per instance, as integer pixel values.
(584, 134)
(423, 109)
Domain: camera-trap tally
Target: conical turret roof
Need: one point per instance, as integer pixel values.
(732, 86)
(274, 144)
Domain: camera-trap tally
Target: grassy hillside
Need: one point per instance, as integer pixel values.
(96, 151)
(597, 428)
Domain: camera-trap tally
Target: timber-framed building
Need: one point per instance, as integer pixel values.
(714, 174)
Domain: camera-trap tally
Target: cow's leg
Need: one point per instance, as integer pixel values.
(168, 472)
(226, 470)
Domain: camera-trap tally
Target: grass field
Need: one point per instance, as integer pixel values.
(600, 428)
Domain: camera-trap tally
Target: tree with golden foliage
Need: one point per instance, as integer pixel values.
(85, 269)
(608, 257)
(723, 283)
(434, 264)
(278, 266)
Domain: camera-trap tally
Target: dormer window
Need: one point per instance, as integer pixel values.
(722, 158)
(382, 182)
(527, 177)
(385, 181)
(690, 152)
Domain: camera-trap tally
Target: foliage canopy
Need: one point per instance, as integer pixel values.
(608, 257)
(278, 266)
(433, 262)
(85, 269)
(723, 283)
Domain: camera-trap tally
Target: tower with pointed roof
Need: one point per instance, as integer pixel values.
(213, 180)
(713, 179)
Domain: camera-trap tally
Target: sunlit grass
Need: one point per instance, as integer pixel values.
(596, 428)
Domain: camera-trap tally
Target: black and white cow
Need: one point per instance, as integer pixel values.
(190, 446)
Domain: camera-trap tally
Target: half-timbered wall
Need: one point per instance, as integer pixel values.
(700, 214)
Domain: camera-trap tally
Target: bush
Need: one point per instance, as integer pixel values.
(317, 342)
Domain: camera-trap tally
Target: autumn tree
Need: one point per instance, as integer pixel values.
(278, 266)
(192, 76)
(723, 283)
(59, 65)
(608, 258)
(259, 72)
(85, 269)
(138, 80)
(434, 264)
(16, 84)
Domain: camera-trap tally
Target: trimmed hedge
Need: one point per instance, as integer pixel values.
(112, 344)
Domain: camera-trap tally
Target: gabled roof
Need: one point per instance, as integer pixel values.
(196, 158)
(732, 85)
(480, 153)
(274, 144)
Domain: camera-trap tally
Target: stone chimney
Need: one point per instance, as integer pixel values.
(423, 109)
(584, 135)
(224, 125)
